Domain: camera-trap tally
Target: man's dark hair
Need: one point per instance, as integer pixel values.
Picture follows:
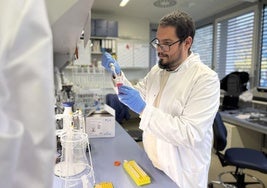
(182, 22)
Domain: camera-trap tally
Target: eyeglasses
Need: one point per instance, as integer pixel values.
(164, 47)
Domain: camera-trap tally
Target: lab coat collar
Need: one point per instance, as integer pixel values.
(185, 64)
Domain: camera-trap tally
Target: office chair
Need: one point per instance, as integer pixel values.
(121, 110)
(122, 113)
(240, 158)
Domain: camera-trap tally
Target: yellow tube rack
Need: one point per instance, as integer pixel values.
(137, 174)
(104, 185)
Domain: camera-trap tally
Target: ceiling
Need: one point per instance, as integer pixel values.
(198, 9)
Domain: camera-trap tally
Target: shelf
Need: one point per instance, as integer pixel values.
(99, 43)
(134, 68)
(100, 38)
(96, 53)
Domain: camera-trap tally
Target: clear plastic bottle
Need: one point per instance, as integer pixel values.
(67, 116)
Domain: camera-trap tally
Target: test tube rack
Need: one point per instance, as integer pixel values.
(138, 175)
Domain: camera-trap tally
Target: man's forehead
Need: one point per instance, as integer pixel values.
(166, 33)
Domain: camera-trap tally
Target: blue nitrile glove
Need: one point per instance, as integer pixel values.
(131, 98)
(107, 59)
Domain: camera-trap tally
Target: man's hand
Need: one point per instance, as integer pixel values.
(107, 60)
(131, 98)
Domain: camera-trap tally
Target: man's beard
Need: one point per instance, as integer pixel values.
(167, 66)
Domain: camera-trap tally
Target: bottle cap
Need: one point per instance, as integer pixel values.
(68, 104)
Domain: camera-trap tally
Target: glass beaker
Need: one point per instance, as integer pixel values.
(74, 168)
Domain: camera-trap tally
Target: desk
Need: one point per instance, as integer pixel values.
(122, 147)
(231, 118)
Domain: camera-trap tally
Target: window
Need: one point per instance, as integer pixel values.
(153, 52)
(263, 66)
(234, 42)
(203, 44)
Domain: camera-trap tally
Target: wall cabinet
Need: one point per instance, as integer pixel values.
(133, 54)
(103, 38)
(104, 28)
(130, 53)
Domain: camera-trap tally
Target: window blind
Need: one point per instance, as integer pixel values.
(263, 66)
(234, 44)
(203, 44)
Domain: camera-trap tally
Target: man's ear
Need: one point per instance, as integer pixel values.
(188, 42)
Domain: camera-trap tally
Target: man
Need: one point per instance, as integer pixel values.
(27, 119)
(177, 102)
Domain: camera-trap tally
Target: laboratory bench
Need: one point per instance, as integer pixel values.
(246, 127)
(249, 118)
(105, 151)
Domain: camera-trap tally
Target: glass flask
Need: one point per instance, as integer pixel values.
(74, 169)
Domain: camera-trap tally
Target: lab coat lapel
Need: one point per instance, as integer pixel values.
(155, 88)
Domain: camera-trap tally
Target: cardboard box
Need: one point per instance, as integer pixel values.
(101, 123)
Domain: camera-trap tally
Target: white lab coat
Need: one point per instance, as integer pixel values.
(182, 123)
(27, 126)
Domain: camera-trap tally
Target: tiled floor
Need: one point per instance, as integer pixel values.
(215, 167)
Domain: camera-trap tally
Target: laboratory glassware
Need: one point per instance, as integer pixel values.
(75, 169)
